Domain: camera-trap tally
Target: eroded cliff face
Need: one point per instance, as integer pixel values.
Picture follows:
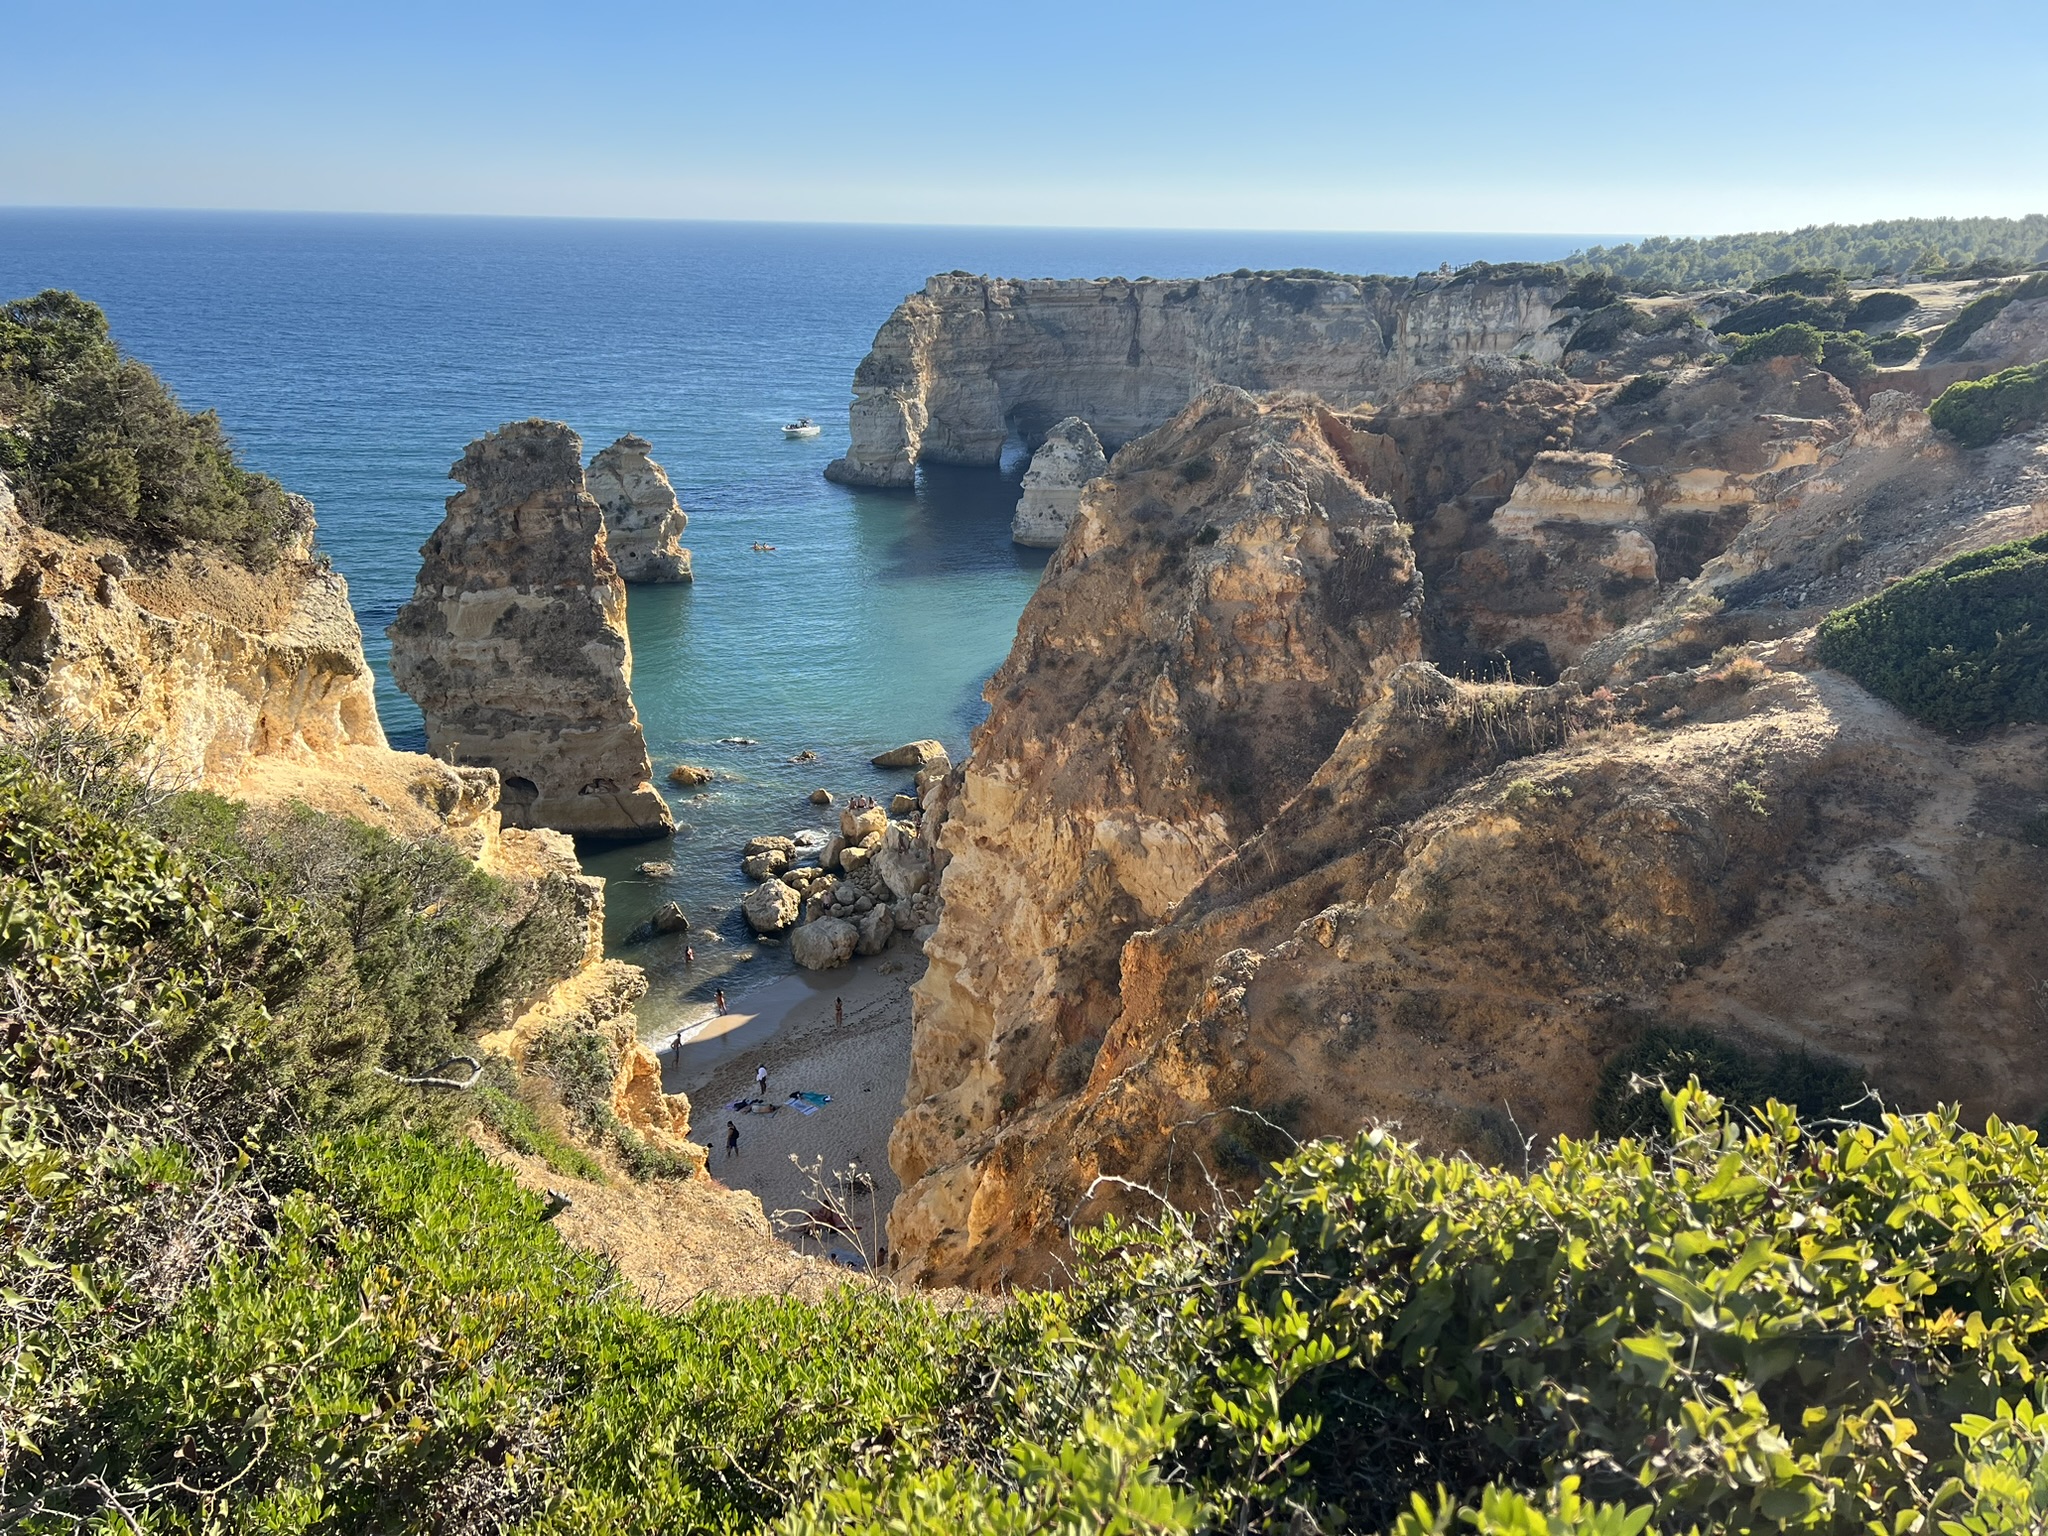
(212, 667)
(1446, 902)
(643, 521)
(1201, 640)
(514, 643)
(969, 361)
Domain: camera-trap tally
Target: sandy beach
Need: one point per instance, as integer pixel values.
(790, 1027)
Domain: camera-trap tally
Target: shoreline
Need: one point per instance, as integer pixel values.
(789, 1026)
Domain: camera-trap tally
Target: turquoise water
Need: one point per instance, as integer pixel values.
(353, 357)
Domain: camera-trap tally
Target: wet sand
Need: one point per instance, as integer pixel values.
(789, 1027)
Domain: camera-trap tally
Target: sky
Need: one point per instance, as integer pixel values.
(1631, 118)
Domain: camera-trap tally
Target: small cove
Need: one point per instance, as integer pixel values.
(354, 356)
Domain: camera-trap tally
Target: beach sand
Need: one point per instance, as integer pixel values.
(788, 1026)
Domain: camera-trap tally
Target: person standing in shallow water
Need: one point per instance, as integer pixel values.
(732, 1139)
(720, 1004)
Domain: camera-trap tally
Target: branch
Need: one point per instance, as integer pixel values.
(476, 1070)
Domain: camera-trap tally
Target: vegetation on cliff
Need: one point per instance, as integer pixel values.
(257, 1285)
(1961, 647)
(1965, 247)
(95, 443)
(1976, 412)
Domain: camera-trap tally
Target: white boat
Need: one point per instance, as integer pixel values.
(803, 426)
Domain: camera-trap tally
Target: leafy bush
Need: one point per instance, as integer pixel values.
(1799, 340)
(1752, 1329)
(1814, 282)
(1603, 330)
(1962, 647)
(1875, 309)
(1847, 356)
(1981, 311)
(1644, 386)
(1895, 348)
(1980, 411)
(96, 443)
(1630, 1100)
(1785, 309)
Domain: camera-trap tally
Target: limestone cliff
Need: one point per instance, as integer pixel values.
(1068, 459)
(1170, 898)
(643, 522)
(514, 643)
(971, 361)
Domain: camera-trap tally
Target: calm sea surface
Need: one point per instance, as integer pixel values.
(353, 357)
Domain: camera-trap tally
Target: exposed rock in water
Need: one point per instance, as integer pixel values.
(1068, 459)
(1230, 840)
(771, 907)
(514, 644)
(689, 776)
(821, 797)
(915, 754)
(968, 361)
(643, 522)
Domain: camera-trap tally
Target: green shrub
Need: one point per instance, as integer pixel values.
(1846, 356)
(1644, 386)
(1630, 1099)
(1813, 282)
(1785, 309)
(1747, 1329)
(1895, 348)
(1980, 411)
(1981, 311)
(1962, 647)
(1875, 309)
(1605, 329)
(95, 442)
(1799, 340)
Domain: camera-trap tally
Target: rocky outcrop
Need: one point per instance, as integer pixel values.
(514, 644)
(209, 666)
(1237, 857)
(969, 362)
(643, 522)
(1068, 459)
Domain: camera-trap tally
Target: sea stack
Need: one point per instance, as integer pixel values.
(514, 644)
(1068, 459)
(643, 523)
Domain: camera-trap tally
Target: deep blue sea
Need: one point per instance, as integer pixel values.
(353, 357)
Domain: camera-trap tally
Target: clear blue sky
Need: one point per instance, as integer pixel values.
(1677, 118)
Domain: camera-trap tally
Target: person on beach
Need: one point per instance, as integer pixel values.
(760, 1082)
(720, 1004)
(838, 1010)
(732, 1139)
(676, 1045)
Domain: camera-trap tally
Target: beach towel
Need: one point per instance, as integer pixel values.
(802, 1108)
(813, 1098)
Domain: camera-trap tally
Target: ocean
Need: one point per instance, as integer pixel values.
(353, 357)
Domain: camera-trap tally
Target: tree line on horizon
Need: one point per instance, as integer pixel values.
(1906, 247)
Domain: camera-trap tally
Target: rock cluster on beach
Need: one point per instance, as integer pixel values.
(643, 522)
(514, 644)
(871, 880)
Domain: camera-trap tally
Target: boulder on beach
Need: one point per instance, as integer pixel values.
(828, 856)
(689, 775)
(854, 825)
(903, 805)
(823, 944)
(771, 907)
(903, 862)
(877, 927)
(852, 859)
(912, 754)
(786, 846)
